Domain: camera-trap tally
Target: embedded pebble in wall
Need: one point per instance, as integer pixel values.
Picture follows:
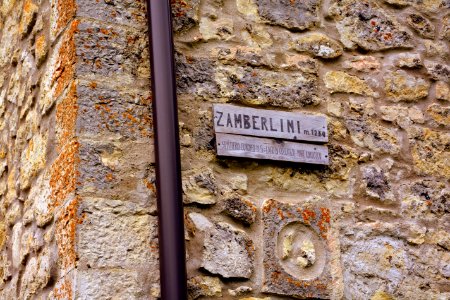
(318, 45)
(442, 91)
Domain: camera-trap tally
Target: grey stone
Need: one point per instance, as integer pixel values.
(294, 15)
(295, 234)
(200, 221)
(228, 252)
(377, 184)
(239, 208)
(363, 23)
(438, 71)
(204, 286)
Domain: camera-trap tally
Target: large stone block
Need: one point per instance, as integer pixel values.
(115, 234)
(294, 15)
(296, 250)
(365, 24)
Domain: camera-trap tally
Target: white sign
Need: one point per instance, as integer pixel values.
(262, 148)
(269, 123)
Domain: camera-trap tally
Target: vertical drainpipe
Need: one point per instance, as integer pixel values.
(167, 151)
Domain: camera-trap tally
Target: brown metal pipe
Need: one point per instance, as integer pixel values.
(172, 255)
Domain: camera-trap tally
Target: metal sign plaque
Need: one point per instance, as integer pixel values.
(269, 123)
(262, 148)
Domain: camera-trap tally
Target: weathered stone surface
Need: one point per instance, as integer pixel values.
(341, 82)
(377, 184)
(216, 29)
(402, 116)
(240, 291)
(284, 273)
(297, 15)
(430, 151)
(442, 91)
(101, 284)
(200, 222)
(239, 208)
(445, 29)
(436, 49)
(367, 133)
(34, 159)
(408, 61)
(365, 24)
(438, 71)
(204, 286)
(257, 86)
(440, 114)
(121, 230)
(228, 252)
(200, 187)
(364, 64)
(318, 45)
(16, 244)
(400, 86)
(40, 49)
(422, 25)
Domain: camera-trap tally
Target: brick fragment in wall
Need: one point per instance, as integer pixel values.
(296, 250)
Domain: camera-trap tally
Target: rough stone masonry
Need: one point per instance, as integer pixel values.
(77, 195)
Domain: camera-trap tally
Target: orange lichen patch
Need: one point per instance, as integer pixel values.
(66, 11)
(269, 205)
(324, 222)
(109, 177)
(29, 11)
(150, 186)
(64, 290)
(308, 215)
(66, 116)
(180, 7)
(280, 214)
(64, 173)
(66, 235)
(65, 65)
(93, 85)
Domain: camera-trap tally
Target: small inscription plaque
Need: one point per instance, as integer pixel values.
(262, 148)
(269, 123)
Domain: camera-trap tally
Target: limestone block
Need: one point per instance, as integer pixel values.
(240, 291)
(40, 49)
(367, 25)
(16, 244)
(318, 45)
(33, 159)
(408, 60)
(440, 114)
(296, 250)
(400, 86)
(199, 186)
(445, 29)
(297, 15)
(442, 91)
(364, 64)
(341, 82)
(438, 71)
(122, 231)
(101, 284)
(429, 151)
(204, 286)
(259, 86)
(228, 252)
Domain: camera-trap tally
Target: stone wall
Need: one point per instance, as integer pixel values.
(77, 213)
(77, 202)
(372, 225)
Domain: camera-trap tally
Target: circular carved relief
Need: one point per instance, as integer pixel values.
(300, 251)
